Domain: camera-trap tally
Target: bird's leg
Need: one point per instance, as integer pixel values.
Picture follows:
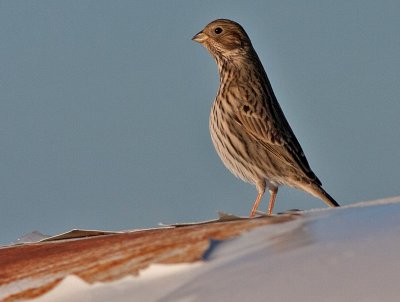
(273, 192)
(256, 203)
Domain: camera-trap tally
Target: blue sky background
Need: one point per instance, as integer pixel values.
(104, 108)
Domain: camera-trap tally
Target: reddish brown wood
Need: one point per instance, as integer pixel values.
(110, 257)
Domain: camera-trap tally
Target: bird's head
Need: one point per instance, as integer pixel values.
(224, 39)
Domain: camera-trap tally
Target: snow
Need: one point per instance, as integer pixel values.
(152, 285)
(345, 254)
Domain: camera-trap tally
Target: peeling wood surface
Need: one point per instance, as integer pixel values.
(29, 270)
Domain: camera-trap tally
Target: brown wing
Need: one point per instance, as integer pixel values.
(263, 119)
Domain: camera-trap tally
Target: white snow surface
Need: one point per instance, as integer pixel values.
(344, 254)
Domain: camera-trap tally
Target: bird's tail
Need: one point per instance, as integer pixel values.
(328, 199)
(320, 193)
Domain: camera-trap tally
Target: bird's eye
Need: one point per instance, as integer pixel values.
(218, 30)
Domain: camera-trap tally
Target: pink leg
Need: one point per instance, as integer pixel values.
(273, 193)
(256, 204)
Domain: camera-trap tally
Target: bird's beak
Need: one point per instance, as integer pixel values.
(200, 37)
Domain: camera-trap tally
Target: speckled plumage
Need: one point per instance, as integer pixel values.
(247, 125)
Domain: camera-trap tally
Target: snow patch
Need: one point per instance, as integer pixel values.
(151, 284)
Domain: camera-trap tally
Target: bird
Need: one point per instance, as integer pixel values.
(247, 125)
